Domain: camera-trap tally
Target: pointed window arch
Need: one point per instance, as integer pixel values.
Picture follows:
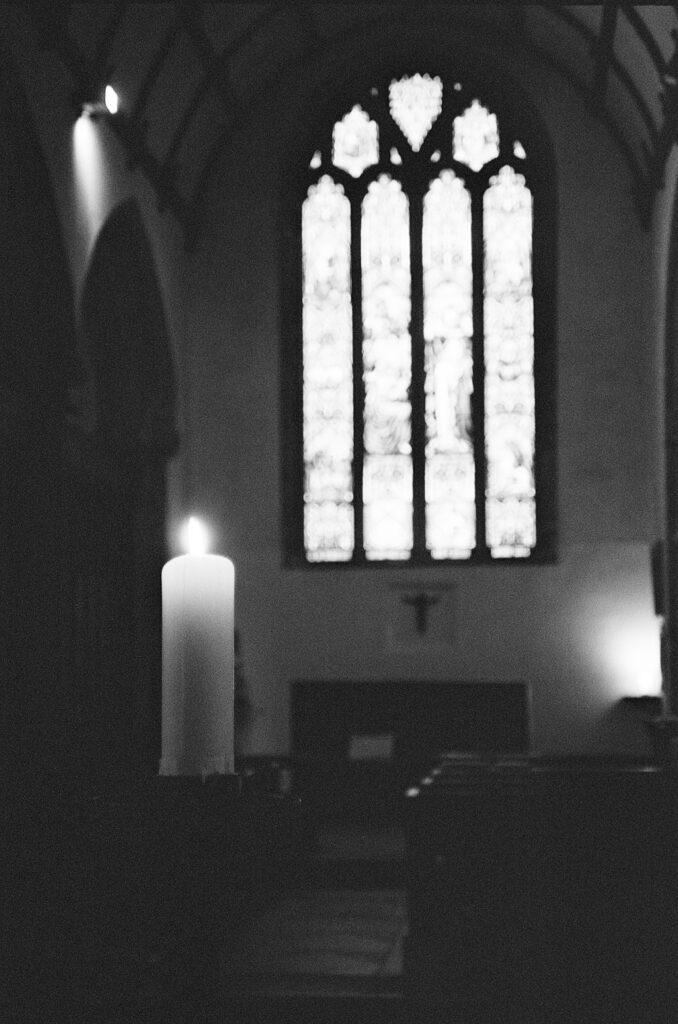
(420, 403)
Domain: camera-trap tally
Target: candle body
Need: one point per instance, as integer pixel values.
(197, 665)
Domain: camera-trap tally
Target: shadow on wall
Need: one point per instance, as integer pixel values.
(622, 728)
(115, 498)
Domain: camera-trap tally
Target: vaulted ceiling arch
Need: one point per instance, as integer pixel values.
(192, 75)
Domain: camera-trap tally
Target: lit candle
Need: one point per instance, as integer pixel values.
(197, 661)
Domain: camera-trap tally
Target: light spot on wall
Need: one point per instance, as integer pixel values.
(89, 173)
(631, 651)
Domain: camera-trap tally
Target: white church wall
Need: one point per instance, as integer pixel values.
(581, 632)
(90, 171)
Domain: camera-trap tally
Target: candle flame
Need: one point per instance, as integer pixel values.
(196, 537)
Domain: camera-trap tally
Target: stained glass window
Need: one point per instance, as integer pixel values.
(387, 466)
(448, 362)
(509, 366)
(420, 410)
(355, 142)
(476, 137)
(328, 373)
(415, 104)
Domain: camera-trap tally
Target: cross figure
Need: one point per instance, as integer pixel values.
(421, 604)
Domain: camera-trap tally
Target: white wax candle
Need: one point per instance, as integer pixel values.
(197, 665)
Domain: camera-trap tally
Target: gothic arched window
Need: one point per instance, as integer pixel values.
(421, 428)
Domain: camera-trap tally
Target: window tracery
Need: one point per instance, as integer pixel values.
(420, 427)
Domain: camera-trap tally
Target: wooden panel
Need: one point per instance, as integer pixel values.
(543, 893)
(425, 717)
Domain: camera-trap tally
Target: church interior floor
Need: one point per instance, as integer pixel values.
(331, 950)
(328, 949)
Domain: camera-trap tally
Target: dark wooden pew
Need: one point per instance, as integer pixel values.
(121, 900)
(543, 892)
(333, 721)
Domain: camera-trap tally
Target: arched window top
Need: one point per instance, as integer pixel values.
(411, 114)
(355, 142)
(415, 102)
(425, 391)
(475, 139)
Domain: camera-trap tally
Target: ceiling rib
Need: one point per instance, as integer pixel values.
(216, 75)
(89, 75)
(101, 57)
(668, 135)
(603, 51)
(215, 66)
(645, 36)
(613, 63)
(159, 58)
(639, 176)
(189, 113)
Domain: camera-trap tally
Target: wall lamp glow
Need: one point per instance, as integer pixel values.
(108, 105)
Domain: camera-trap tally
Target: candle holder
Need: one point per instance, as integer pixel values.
(225, 783)
(222, 783)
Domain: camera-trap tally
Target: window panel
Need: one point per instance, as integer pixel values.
(476, 136)
(387, 368)
(355, 142)
(328, 373)
(328, 531)
(477, 475)
(387, 506)
(509, 361)
(448, 367)
(415, 104)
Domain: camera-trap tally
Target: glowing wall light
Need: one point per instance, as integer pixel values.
(108, 103)
(111, 99)
(632, 653)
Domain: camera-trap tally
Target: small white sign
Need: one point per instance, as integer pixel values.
(371, 747)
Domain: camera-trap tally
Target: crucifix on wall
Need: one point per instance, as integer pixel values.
(421, 603)
(429, 625)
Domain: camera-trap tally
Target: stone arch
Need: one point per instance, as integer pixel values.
(127, 348)
(125, 335)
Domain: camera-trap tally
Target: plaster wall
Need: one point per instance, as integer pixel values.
(91, 174)
(581, 632)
